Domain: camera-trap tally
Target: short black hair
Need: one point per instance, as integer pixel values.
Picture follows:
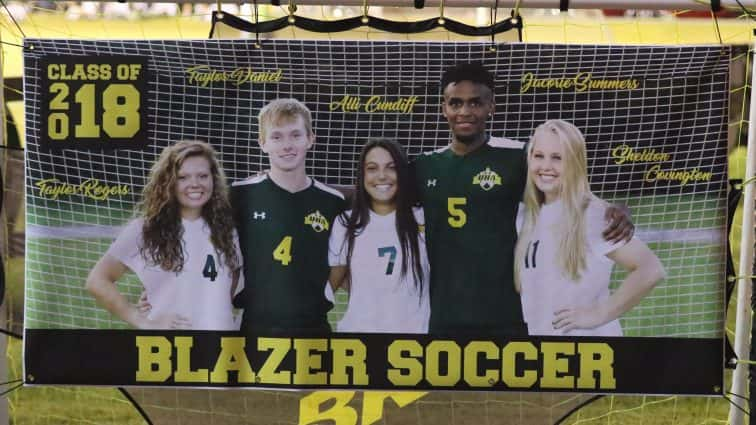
(474, 72)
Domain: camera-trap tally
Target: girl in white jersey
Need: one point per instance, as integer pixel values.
(377, 249)
(182, 246)
(563, 264)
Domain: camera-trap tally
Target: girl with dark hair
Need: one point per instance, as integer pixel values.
(377, 249)
(182, 246)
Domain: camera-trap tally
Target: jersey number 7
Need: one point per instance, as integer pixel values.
(391, 252)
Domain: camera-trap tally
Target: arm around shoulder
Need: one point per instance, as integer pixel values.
(621, 227)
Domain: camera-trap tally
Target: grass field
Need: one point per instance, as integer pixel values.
(689, 303)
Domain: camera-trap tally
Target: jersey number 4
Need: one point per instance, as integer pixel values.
(282, 252)
(209, 270)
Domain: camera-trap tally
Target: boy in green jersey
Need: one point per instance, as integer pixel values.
(470, 191)
(284, 220)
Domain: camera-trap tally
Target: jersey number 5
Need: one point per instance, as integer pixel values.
(282, 252)
(457, 216)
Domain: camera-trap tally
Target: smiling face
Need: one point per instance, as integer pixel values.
(194, 186)
(467, 106)
(546, 165)
(381, 180)
(287, 143)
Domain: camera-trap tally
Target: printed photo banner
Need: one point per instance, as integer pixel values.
(101, 112)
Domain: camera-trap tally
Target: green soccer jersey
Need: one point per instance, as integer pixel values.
(470, 205)
(284, 243)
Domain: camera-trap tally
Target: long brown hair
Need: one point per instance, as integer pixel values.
(406, 225)
(162, 231)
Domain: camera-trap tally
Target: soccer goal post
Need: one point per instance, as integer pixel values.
(743, 314)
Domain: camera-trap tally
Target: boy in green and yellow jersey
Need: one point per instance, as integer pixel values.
(284, 220)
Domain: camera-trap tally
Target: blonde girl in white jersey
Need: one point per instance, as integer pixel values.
(563, 264)
(377, 249)
(182, 246)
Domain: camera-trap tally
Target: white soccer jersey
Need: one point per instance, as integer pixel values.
(201, 291)
(380, 300)
(546, 288)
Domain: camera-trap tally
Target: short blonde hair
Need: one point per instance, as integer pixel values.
(282, 111)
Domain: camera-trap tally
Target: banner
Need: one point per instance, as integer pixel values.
(122, 289)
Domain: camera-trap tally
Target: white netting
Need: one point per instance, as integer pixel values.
(677, 113)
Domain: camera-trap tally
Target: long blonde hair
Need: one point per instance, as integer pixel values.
(574, 192)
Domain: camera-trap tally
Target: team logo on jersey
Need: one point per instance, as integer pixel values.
(487, 179)
(317, 221)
